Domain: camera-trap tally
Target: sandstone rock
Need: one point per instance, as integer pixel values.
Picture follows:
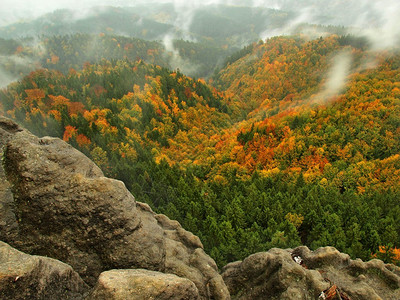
(276, 275)
(143, 284)
(360, 280)
(272, 275)
(24, 276)
(8, 222)
(60, 205)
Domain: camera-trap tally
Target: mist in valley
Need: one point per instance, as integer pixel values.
(260, 120)
(224, 26)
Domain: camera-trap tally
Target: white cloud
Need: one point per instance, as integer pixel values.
(304, 16)
(337, 77)
(5, 79)
(175, 60)
(338, 74)
(386, 32)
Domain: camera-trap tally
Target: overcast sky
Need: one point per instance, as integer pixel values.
(15, 10)
(366, 14)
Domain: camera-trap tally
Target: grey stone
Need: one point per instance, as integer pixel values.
(276, 275)
(60, 205)
(142, 284)
(272, 275)
(23, 276)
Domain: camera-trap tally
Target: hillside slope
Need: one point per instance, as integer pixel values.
(300, 166)
(297, 125)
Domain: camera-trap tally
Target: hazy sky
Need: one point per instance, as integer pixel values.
(15, 10)
(358, 10)
(379, 19)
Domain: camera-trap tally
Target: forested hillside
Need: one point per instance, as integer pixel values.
(18, 57)
(94, 21)
(125, 107)
(293, 125)
(196, 40)
(261, 156)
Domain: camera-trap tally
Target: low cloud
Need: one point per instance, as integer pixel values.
(13, 66)
(337, 77)
(376, 19)
(384, 31)
(304, 16)
(175, 60)
(5, 78)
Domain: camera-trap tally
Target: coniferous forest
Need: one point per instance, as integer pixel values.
(250, 145)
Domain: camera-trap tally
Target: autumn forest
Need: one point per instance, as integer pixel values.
(254, 148)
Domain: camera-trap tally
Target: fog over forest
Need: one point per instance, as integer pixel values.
(255, 124)
(375, 20)
(360, 13)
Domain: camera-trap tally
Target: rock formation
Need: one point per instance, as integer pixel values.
(23, 276)
(302, 274)
(143, 284)
(57, 203)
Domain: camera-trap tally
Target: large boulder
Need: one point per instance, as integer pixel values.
(23, 276)
(303, 274)
(142, 284)
(57, 203)
(272, 275)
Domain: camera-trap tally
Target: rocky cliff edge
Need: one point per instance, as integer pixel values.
(55, 202)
